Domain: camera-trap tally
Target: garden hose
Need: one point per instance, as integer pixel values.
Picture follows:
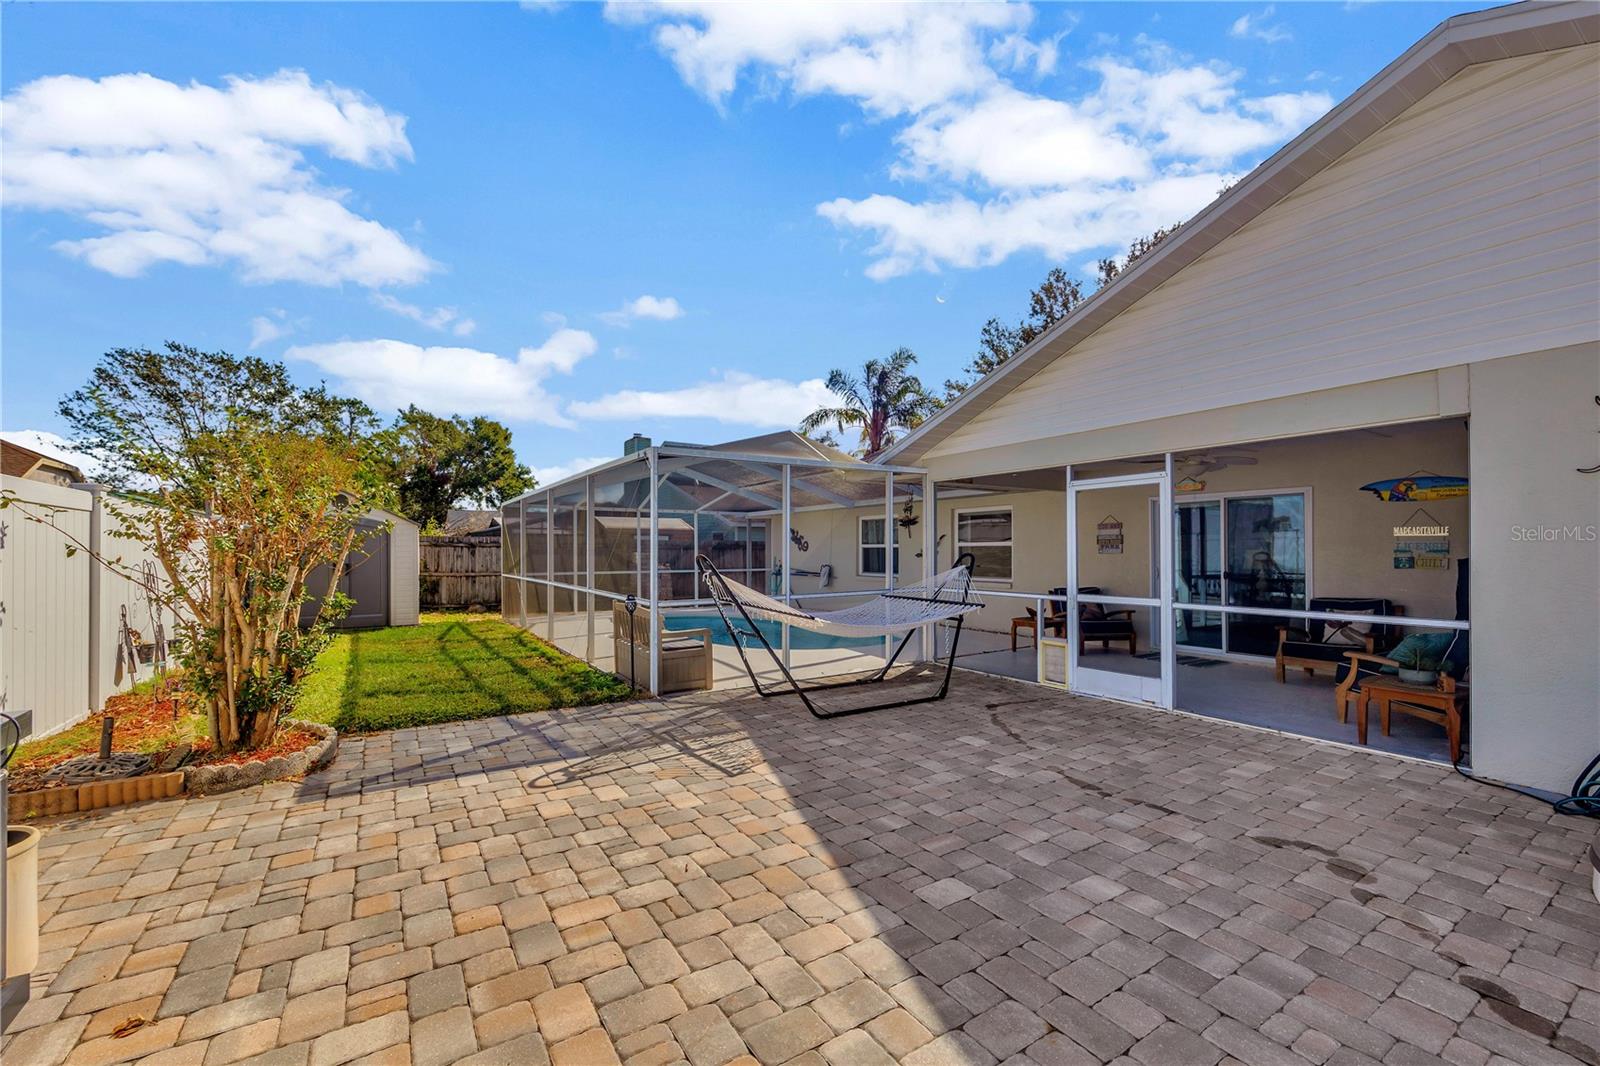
(16, 740)
(1582, 802)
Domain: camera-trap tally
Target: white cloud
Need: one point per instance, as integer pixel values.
(1007, 169)
(1011, 139)
(440, 318)
(963, 232)
(549, 475)
(891, 57)
(264, 329)
(659, 308)
(1258, 27)
(735, 398)
(390, 374)
(199, 175)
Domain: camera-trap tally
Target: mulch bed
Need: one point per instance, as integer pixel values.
(290, 739)
(160, 722)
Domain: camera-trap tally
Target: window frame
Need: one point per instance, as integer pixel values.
(862, 545)
(1010, 545)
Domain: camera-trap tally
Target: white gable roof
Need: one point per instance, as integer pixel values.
(1501, 33)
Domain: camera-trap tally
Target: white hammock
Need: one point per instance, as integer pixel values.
(937, 599)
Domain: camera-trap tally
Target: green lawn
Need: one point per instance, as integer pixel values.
(451, 667)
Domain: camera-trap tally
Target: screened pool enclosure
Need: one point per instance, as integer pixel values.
(575, 552)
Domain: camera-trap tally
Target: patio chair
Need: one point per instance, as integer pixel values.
(686, 662)
(1323, 645)
(1449, 647)
(1096, 622)
(1054, 624)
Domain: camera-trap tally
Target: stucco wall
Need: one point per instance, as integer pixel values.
(1352, 541)
(1535, 566)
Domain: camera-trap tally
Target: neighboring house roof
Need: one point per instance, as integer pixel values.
(18, 461)
(468, 521)
(1458, 42)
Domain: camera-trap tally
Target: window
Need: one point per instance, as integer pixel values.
(987, 535)
(873, 547)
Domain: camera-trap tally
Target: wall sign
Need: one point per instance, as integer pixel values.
(1422, 546)
(1108, 536)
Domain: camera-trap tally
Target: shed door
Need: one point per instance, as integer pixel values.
(364, 578)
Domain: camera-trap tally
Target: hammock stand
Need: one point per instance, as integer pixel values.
(723, 595)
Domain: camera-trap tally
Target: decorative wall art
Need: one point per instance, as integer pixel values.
(1418, 486)
(1108, 536)
(1422, 545)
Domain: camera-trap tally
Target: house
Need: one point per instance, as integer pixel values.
(475, 522)
(20, 461)
(1409, 288)
(1357, 394)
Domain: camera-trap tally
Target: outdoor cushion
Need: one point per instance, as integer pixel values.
(1305, 649)
(1320, 632)
(1431, 646)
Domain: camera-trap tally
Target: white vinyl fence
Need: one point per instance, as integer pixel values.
(60, 615)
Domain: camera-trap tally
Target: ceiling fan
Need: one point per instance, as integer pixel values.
(1196, 463)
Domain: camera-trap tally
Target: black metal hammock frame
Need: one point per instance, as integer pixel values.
(723, 596)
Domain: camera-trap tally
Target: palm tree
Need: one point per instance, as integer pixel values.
(884, 401)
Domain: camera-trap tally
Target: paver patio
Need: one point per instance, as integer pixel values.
(1011, 875)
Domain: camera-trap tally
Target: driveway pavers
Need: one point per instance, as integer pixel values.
(1013, 875)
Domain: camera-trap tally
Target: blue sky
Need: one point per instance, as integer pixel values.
(592, 221)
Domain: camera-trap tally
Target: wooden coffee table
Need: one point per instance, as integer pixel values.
(1442, 704)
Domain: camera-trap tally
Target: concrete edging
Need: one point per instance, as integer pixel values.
(200, 780)
(194, 780)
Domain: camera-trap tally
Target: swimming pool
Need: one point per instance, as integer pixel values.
(798, 638)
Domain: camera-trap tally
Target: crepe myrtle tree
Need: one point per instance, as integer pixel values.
(242, 484)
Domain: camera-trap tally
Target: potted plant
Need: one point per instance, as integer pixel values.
(1417, 666)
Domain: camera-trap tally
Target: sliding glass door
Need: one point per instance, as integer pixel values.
(1197, 537)
(1244, 550)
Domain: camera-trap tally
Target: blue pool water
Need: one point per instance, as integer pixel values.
(798, 638)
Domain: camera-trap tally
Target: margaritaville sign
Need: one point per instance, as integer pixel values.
(1422, 531)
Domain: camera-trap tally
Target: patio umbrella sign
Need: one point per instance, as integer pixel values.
(1108, 536)
(1422, 545)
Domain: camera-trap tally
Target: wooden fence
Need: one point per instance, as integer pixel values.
(460, 572)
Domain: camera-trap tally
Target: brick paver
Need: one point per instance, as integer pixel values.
(1012, 875)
